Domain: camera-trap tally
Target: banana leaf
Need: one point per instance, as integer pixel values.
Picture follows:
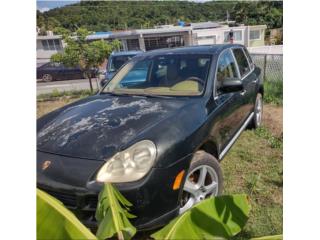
(214, 218)
(274, 237)
(56, 222)
(112, 214)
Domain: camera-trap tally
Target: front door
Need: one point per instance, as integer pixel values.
(230, 106)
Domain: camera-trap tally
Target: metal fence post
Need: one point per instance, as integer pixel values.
(265, 67)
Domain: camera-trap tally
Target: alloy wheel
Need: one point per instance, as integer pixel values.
(201, 183)
(258, 112)
(47, 77)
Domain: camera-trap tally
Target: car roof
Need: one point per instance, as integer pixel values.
(124, 53)
(204, 49)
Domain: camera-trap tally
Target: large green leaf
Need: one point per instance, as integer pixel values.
(214, 218)
(112, 214)
(54, 221)
(274, 237)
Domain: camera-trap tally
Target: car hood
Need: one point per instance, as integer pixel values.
(99, 126)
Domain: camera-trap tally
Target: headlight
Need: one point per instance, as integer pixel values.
(129, 165)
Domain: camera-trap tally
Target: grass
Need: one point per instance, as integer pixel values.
(273, 92)
(252, 166)
(56, 95)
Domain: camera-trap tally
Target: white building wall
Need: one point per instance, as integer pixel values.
(218, 35)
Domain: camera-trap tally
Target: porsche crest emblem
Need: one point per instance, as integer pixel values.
(45, 164)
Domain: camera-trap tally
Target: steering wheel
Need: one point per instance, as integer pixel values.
(195, 79)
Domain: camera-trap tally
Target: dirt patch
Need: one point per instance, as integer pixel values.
(44, 107)
(272, 119)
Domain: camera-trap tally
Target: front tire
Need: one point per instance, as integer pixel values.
(47, 77)
(204, 179)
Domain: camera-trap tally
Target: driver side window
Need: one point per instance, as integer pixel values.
(226, 68)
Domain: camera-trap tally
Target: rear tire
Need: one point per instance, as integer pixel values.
(258, 111)
(204, 179)
(47, 77)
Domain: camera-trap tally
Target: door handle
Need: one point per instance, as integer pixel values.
(243, 92)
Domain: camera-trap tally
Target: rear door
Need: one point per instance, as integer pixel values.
(248, 77)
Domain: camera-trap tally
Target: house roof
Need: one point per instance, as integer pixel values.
(202, 25)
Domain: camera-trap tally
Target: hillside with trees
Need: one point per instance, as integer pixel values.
(119, 15)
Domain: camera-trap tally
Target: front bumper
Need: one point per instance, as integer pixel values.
(154, 201)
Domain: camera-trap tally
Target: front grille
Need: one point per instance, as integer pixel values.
(68, 199)
(71, 200)
(92, 201)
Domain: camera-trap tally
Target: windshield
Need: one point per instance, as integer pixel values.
(118, 61)
(170, 75)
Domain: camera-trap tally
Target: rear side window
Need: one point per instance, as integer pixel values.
(249, 57)
(242, 61)
(226, 68)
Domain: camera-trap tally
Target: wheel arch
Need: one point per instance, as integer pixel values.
(211, 148)
(261, 90)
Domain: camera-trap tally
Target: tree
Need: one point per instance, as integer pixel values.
(116, 15)
(83, 53)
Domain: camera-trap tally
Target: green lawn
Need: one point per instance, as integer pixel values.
(254, 166)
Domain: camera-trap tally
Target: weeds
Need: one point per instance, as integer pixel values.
(55, 95)
(252, 182)
(274, 142)
(273, 92)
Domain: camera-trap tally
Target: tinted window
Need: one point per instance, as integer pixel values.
(137, 75)
(242, 61)
(118, 61)
(249, 57)
(226, 68)
(53, 65)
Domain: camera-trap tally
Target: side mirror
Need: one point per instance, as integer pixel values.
(231, 85)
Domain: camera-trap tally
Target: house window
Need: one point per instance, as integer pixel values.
(255, 34)
(52, 44)
(152, 43)
(237, 36)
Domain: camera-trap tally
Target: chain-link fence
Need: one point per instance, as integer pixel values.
(271, 66)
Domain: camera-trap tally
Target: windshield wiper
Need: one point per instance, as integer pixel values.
(135, 94)
(154, 96)
(115, 94)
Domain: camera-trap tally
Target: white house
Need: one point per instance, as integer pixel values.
(164, 37)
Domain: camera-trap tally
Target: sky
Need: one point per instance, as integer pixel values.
(46, 5)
